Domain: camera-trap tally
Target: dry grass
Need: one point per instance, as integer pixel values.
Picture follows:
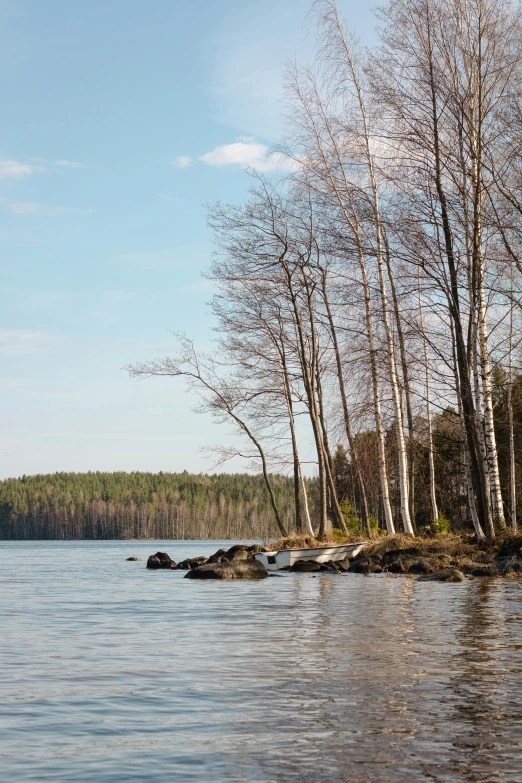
(302, 541)
(449, 545)
(443, 546)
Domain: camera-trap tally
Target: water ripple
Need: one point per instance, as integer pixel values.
(111, 673)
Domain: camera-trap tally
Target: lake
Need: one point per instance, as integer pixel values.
(110, 672)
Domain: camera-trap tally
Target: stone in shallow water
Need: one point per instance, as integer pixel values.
(305, 567)
(483, 570)
(237, 552)
(239, 569)
(134, 558)
(365, 565)
(160, 560)
(217, 557)
(420, 567)
(192, 562)
(448, 575)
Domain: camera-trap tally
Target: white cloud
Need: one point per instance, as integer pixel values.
(24, 208)
(16, 170)
(71, 164)
(247, 153)
(182, 162)
(23, 341)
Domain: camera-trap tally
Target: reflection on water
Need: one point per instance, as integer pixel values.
(113, 673)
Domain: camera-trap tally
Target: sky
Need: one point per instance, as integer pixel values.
(121, 120)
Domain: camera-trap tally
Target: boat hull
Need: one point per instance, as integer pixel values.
(284, 558)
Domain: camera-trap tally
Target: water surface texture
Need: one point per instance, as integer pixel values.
(110, 672)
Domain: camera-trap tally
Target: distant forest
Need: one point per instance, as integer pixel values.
(140, 505)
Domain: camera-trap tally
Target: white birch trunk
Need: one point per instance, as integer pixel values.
(383, 470)
(512, 465)
(489, 427)
(431, 460)
(308, 521)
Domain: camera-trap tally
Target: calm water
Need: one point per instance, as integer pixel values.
(112, 673)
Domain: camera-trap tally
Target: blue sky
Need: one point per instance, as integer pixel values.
(121, 119)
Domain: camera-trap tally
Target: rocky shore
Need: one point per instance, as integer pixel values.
(446, 558)
(238, 562)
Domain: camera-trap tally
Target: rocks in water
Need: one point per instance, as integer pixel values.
(420, 567)
(236, 569)
(134, 558)
(394, 555)
(305, 567)
(237, 552)
(192, 562)
(160, 560)
(365, 565)
(217, 556)
(483, 570)
(448, 575)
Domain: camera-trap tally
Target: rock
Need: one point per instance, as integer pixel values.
(507, 565)
(134, 558)
(395, 554)
(511, 546)
(343, 565)
(217, 556)
(483, 570)
(449, 575)
(160, 560)
(305, 567)
(191, 562)
(237, 552)
(238, 569)
(420, 567)
(365, 565)
(398, 566)
(329, 568)
(257, 548)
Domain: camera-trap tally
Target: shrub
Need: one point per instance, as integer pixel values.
(440, 525)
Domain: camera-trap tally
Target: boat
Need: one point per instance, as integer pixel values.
(284, 558)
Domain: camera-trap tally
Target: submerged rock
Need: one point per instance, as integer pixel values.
(134, 558)
(160, 560)
(305, 567)
(238, 569)
(448, 575)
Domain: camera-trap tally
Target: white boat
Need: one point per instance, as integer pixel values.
(283, 558)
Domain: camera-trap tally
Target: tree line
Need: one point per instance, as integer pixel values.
(371, 297)
(140, 505)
